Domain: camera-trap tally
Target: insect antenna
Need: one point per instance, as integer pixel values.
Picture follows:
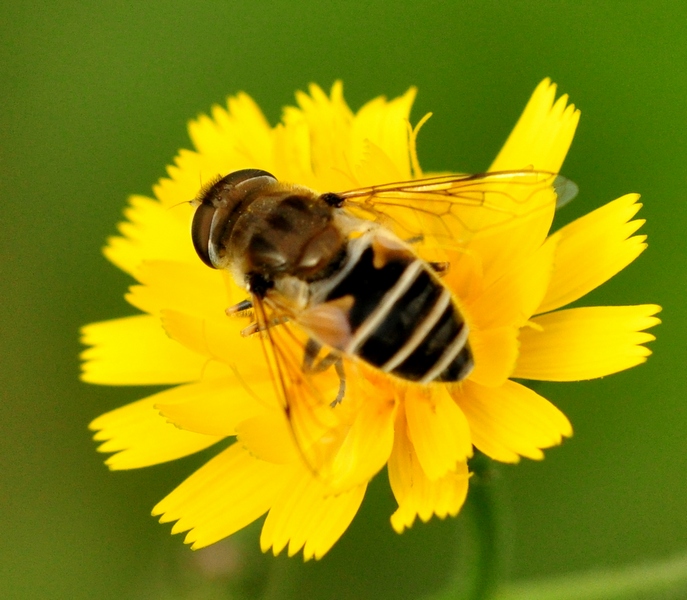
(178, 204)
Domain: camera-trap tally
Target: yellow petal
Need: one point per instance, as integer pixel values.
(232, 139)
(503, 249)
(218, 339)
(292, 161)
(344, 445)
(152, 232)
(495, 352)
(238, 135)
(384, 124)
(376, 167)
(229, 492)
(511, 421)
(592, 249)
(315, 427)
(543, 134)
(190, 173)
(438, 430)
(539, 141)
(415, 493)
(142, 437)
(584, 343)
(513, 298)
(305, 516)
(212, 407)
(328, 122)
(189, 288)
(368, 442)
(465, 277)
(329, 523)
(136, 351)
(267, 436)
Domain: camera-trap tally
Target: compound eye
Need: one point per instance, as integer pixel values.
(238, 177)
(201, 231)
(216, 204)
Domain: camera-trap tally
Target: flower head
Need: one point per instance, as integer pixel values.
(510, 281)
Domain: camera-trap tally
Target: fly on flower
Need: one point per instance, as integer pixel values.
(398, 319)
(336, 266)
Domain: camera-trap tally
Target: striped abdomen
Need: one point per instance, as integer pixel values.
(403, 320)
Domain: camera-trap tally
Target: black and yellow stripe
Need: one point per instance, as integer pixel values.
(403, 321)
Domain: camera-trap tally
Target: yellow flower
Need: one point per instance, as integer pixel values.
(509, 282)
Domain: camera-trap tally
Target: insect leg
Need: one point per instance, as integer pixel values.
(312, 349)
(324, 364)
(254, 328)
(338, 365)
(238, 309)
(440, 268)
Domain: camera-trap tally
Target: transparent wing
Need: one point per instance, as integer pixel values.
(456, 208)
(566, 191)
(307, 396)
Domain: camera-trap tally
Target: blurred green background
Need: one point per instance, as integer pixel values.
(95, 98)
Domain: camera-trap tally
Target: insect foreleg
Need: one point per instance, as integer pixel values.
(254, 328)
(239, 309)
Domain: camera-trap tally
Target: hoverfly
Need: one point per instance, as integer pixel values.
(334, 276)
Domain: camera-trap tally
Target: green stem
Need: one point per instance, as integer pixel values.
(483, 507)
(282, 578)
(481, 539)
